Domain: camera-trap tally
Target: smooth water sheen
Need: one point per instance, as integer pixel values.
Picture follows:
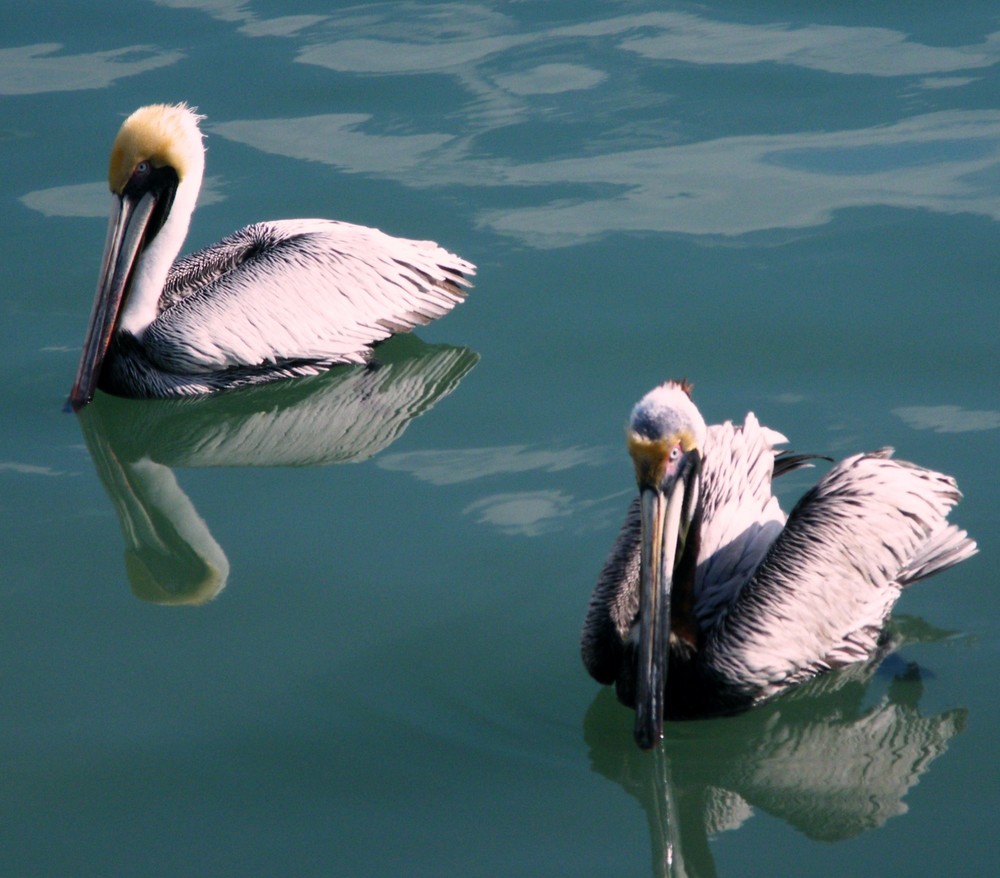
(331, 627)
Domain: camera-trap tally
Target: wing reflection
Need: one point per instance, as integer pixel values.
(834, 759)
(345, 416)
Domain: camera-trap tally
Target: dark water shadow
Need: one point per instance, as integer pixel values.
(833, 759)
(346, 415)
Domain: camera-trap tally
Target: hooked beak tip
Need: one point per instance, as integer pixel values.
(74, 403)
(83, 388)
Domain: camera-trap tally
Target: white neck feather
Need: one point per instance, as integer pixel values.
(154, 262)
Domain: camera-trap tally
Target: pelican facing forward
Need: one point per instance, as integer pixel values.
(273, 300)
(711, 602)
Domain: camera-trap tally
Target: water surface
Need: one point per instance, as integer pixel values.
(282, 633)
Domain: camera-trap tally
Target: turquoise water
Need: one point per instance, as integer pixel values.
(333, 640)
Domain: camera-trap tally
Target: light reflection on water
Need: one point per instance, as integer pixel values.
(46, 67)
(798, 212)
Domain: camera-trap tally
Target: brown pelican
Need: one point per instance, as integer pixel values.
(273, 300)
(707, 579)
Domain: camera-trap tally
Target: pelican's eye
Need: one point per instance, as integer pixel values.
(675, 453)
(141, 171)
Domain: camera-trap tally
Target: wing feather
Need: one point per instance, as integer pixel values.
(299, 290)
(825, 588)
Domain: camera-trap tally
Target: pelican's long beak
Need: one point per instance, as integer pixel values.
(126, 233)
(665, 512)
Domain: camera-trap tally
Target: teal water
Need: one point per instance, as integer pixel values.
(365, 658)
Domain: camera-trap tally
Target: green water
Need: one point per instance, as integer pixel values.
(364, 660)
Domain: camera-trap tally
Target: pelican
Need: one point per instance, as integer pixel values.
(273, 300)
(711, 601)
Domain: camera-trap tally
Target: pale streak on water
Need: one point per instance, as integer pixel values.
(302, 633)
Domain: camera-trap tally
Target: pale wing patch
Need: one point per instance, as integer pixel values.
(823, 593)
(313, 290)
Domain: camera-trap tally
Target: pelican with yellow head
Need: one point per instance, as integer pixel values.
(274, 300)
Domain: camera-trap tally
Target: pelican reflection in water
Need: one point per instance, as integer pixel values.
(711, 602)
(273, 300)
(344, 416)
(833, 759)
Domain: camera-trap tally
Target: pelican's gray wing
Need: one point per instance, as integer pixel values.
(312, 291)
(819, 599)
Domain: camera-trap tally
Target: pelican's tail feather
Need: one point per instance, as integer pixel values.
(947, 547)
